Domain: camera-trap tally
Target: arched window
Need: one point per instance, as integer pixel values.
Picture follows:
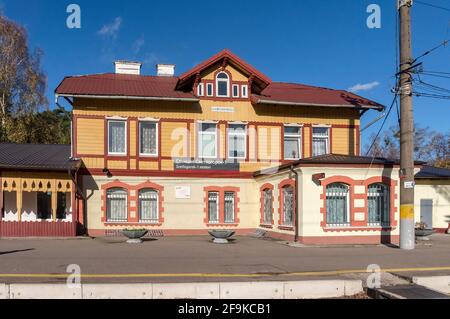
(288, 205)
(268, 206)
(338, 205)
(222, 85)
(378, 205)
(116, 205)
(148, 206)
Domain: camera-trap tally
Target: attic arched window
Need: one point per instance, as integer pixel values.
(223, 85)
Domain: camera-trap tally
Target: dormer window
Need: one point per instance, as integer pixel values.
(200, 89)
(222, 85)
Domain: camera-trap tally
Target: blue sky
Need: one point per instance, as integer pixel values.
(324, 43)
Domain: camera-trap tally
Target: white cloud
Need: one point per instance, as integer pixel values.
(138, 44)
(111, 29)
(364, 87)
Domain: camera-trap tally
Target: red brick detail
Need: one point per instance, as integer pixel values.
(351, 240)
(222, 191)
(393, 196)
(133, 221)
(261, 193)
(281, 185)
(359, 225)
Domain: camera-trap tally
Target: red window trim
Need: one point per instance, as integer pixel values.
(222, 191)
(261, 191)
(281, 185)
(359, 225)
(133, 221)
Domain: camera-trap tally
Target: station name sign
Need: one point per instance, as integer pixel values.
(205, 165)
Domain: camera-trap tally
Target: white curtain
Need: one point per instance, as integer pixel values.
(378, 204)
(320, 141)
(148, 138)
(229, 207)
(116, 137)
(117, 205)
(337, 204)
(148, 206)
(213, 207)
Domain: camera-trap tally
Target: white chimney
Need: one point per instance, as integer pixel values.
(126, 67)
(165, 69)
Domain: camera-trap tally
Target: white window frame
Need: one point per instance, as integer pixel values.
(126, 136)
(237, 134)
(209, 85)
(235, 86)
(328, 151)
(199, 140)
(157, 138)
(299, 137)
(201, 89)
(244, 91)
(228, 80)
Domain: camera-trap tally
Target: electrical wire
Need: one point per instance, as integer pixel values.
(432, 5)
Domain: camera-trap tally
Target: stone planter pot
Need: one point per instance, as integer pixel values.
(221, 236)
(134, 236)
(423, 234)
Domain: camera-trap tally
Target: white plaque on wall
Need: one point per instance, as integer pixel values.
(182, 192)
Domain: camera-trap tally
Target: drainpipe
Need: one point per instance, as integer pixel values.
(296, 202)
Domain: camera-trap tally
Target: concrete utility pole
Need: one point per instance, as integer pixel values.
(407, 236)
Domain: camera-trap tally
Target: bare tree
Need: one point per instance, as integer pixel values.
(22, 82)
(430, 146)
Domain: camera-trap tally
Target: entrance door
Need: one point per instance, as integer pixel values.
(426, 212)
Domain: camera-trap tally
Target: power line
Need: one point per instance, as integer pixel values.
(382, 125)
(432, 5)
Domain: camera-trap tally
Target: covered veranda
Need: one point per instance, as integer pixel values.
(37, 191)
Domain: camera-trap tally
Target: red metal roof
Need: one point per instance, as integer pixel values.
(111, 84)
(291, 93)
(123, 85)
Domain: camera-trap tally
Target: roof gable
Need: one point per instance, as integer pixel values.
(258, 80)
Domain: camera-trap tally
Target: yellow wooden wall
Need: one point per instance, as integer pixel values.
(177, 127)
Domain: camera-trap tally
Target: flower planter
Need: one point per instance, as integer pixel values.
(423, 234)
(134, 235)
(221, 236)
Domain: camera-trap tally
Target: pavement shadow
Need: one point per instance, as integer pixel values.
(14, 251)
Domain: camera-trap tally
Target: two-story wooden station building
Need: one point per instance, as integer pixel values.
(222, 146)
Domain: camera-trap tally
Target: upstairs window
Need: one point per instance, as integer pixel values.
(237, 141)
(320, 141)
(222, 85)
(244, 90)
(200, 89)
(117, 137)
(209, 89)
(338, 205)
(292, 142)
(207, 141)
(235, 90)
(148, 134)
